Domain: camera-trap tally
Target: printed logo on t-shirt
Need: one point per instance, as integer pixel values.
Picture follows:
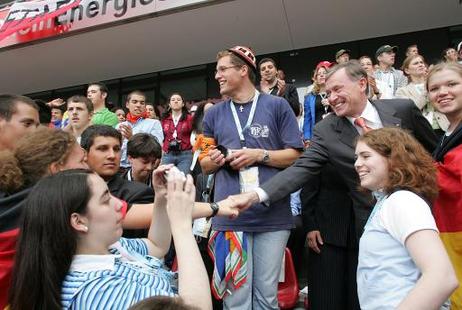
(257, 131)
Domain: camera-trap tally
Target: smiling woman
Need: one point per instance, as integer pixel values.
(445, 91)
(402, 263)
(415, 68)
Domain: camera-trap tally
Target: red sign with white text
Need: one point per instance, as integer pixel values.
(32, 20)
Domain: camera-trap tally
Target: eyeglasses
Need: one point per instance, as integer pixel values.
(223, 69)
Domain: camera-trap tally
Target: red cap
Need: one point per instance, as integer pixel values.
(325, 64)
(246, 54)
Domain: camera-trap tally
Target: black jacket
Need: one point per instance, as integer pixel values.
(447, 143)
(291, 95)
(11, 207)
(133, 193)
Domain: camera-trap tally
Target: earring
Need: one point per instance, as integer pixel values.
(85, 228)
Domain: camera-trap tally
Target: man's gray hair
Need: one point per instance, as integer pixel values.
(353, 70)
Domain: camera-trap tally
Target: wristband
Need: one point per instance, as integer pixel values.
(215, 207)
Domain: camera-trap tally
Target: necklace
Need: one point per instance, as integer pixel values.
(324, 103)
(241, 106)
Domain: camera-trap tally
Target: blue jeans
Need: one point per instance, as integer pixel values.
(264, 259)
(181, 160)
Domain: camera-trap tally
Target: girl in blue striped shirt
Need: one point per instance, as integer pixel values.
(71, 254)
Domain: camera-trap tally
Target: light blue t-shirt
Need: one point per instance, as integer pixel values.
(386, 272)
(143, 125)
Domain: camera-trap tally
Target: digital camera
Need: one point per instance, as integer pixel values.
(174, 146)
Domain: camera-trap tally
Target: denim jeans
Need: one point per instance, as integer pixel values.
(264, 259)
(181, 160)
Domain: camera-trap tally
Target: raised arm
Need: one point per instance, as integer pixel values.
(159, 236)
(140, 215)
(194, 286)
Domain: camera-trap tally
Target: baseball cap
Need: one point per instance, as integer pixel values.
(341, 52)
(326, 64)
(246, 54)
(385, 48)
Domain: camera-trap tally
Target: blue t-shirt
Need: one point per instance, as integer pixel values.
(274, 127)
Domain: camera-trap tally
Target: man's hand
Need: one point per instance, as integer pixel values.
(126, 131)
(373, 85)
(243, 201)
(314, 237)
(56, 103)
(281, 87)
(228, 208)
(245, 157)
(217, 157)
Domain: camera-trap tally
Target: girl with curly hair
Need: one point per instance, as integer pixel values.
(402, 262)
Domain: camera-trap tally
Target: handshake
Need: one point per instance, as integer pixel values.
(179, 191)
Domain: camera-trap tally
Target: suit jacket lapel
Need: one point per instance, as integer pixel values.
(346, 131)
(387, 115)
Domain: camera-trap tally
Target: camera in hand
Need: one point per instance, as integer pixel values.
(174, 146)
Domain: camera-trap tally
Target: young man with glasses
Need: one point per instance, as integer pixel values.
(256, 135)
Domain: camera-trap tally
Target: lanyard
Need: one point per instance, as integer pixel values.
(176, 121)
(239, 128)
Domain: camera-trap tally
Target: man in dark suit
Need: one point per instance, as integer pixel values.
(333, 146)
(271, 84)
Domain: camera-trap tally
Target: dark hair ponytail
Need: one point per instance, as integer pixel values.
(168, 111)
(47, 242)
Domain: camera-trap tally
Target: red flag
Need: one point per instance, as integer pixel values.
(25, 14)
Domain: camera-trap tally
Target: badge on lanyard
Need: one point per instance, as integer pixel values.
(248, 177)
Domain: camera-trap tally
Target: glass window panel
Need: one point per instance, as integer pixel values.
(113, 97)
(44, 95)
(192, 85)
(146, 83)
(65, 93)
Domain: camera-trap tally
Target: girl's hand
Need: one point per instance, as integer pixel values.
(180, 199)
(159, 181)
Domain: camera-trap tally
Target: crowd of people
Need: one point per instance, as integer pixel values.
(193, 209)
